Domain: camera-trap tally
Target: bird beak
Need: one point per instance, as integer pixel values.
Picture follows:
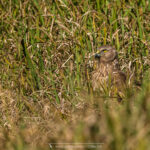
(97, 56)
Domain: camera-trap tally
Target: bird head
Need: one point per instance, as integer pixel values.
(106, 54)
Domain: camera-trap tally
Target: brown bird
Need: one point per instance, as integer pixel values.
(107, 76)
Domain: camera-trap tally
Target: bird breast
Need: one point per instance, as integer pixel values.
(101, 76)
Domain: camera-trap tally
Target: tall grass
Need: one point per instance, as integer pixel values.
(45, 72)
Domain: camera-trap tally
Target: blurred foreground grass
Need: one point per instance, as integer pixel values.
(45, 91)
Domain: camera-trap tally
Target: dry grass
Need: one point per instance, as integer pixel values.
(45, 92)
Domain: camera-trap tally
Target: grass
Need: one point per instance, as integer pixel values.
(45, 90)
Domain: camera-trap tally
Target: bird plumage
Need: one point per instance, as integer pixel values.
(107, 73)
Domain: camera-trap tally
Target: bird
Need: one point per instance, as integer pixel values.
(107, 75)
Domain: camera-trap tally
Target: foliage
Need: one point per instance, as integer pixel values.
(44, 72)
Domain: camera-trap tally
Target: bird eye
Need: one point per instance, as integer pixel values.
(105, 50)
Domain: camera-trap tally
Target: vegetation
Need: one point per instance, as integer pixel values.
(45, 67)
